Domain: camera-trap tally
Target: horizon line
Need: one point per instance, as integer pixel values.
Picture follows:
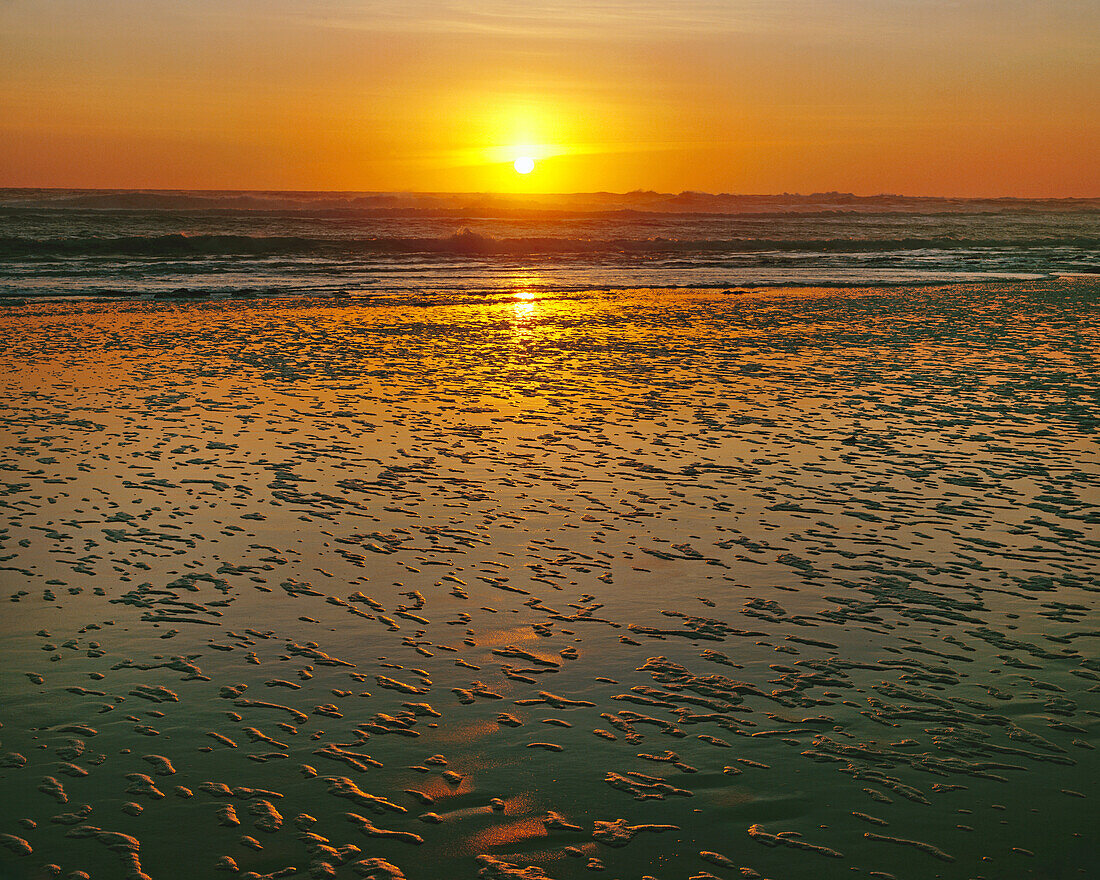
(509, 194)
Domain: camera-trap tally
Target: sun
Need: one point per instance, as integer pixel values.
(524, 165)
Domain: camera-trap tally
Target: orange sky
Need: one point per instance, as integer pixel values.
(922, 97)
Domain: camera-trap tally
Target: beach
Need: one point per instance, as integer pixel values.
(524, 581)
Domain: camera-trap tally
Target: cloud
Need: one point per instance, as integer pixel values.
(600, 19)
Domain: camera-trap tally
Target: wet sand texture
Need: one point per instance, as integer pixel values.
(667, 584)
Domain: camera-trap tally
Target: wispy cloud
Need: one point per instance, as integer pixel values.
(600, 19)
(619, 20)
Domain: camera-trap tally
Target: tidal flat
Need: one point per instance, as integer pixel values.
(795, 583)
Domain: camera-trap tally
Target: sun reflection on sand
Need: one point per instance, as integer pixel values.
(616, 476)
(508, 833)
(468, 733)
(523, 309)
(524, 302)
(508, 636)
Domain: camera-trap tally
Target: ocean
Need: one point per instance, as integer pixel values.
(57, 242)
(660, 536)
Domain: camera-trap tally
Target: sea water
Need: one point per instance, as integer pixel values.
(130, 244)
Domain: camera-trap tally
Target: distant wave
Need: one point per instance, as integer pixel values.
(472, 205)
(468, 242)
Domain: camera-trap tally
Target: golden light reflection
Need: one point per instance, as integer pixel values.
(506, 834)
(524, 300)
(467, 733)
(522, 311)
(517, 804)
(510, 636)
(437, 789)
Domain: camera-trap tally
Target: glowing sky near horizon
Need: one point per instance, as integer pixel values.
(923, 97)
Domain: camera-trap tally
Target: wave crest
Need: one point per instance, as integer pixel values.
(468, 242)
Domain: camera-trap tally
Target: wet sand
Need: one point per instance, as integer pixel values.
(670, 584)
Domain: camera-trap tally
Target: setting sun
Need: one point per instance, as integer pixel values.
(524, 165)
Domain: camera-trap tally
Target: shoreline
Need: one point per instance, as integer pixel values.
(505, 293)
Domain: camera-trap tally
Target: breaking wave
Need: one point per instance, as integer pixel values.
(467, 242)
